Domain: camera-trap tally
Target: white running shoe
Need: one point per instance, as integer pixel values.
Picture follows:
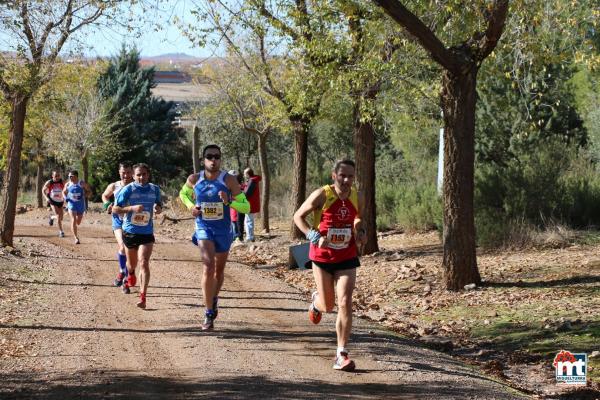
(344, 363)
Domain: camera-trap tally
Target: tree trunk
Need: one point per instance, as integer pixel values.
(85, 167)
(300, 128)
(10, 185)
(266, 182)
(364, 153)
(39, 183)
(458, 99)
(196, 149)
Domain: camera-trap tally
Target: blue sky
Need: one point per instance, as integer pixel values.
(107, 42)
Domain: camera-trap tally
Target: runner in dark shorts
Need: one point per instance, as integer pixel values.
(112, 190)
(139, 201)
(334, 235)
(53, 191)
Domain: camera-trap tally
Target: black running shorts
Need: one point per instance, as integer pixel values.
(340, 266)
(58, 204)
(132, 240)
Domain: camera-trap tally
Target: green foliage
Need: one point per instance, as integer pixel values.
(532, 135)
(552, 183)
(586, 87)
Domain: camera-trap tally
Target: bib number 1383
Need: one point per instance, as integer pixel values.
(339, 238)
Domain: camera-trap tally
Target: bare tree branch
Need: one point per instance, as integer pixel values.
(421, 33)
(27, 29)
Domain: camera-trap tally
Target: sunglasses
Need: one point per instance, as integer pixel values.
(213, 156)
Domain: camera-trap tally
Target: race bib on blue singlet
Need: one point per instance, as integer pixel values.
(211, 211)
(141, 218)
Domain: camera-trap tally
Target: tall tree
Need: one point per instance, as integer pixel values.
(143, 124)
(75, 137)
(255, 112)
(38, 31)
(285, 47)
(460, 63)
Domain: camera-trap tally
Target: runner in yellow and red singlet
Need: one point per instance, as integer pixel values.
(336, 231)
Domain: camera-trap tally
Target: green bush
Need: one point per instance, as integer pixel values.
(414, 208)
(553, 184)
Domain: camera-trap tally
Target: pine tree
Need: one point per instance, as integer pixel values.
(144, 123)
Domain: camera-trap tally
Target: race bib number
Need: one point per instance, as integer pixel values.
(75, 196)
(57, 195)
(212, 211)
(141, 218)
(339, 238)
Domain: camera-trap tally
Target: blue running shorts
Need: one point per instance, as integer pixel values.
(222, 241)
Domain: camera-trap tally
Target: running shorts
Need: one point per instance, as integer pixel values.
(133, 240)
(222, 240)
(58, 204)
(330, 268)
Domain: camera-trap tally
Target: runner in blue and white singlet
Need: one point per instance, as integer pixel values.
(139, 201)
(126, 175)
(76, 191)
(209, 195)
(138, 222)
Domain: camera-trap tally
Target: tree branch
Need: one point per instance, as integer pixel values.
(51, 25)
(276, 22)
(496, 23)
(27, 29)
(426, 38)
(267, 69)
(5, 88)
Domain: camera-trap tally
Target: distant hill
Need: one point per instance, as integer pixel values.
(174, 57)
(180, 61)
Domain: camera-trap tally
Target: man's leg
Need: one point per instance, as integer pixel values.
(241, 224)
(59, 218)
(76, 221)
(323, 299)
(209, 276)
(121, 256)
(144, 253)
(73, 216)
(250, 227)
(210, 284)
(132, 261)
(221, 260)
(345, 281)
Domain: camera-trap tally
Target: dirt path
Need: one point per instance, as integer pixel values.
(88, 340)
